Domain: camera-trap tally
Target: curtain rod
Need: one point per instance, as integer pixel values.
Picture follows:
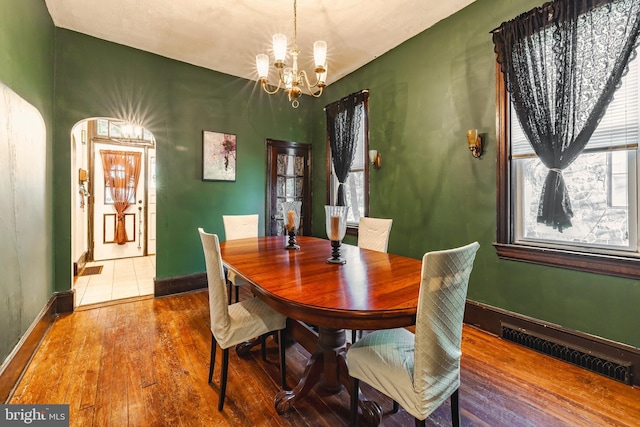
(545, 8)
(354, 93)
(528, 13)
(538, 9)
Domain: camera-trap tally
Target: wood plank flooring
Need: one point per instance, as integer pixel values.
(145, 363)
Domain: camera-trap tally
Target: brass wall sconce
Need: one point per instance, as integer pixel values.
(375, 159)
(475, 142)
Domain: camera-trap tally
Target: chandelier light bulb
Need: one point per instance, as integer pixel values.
(262, 64)
(279, 47)
(320, 53)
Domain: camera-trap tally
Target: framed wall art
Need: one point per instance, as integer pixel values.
(218, 156)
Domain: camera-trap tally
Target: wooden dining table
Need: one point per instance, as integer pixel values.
(372, 290)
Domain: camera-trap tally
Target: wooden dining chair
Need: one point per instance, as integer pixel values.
(238, 227)
(420, 371)
(373, 233)
(232, 324)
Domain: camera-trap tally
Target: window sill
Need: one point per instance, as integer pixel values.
(612, 265)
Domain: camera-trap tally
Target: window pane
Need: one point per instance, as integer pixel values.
(299, 187)
(354, 192)
(282, 162)
(290, 191)
(280, 186)
(289, 169)
(597, 221)
(102, 127)
(114, 130)
(619, 187)
(300, 166)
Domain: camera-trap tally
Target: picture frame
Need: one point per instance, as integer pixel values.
(218, 156)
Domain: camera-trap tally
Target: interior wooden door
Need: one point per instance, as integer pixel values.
(288, 179)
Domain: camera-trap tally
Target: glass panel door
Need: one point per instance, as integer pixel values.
(288, 180)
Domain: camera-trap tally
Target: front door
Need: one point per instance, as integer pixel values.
(105, 215)
(288, 180)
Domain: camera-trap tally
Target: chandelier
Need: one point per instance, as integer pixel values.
(293, 81)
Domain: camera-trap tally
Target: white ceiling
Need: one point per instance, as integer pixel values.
(226, 35)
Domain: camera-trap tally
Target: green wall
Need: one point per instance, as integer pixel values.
(424, 95)
(26, 268)
(176, 102)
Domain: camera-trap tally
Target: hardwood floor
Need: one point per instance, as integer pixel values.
(145, 363)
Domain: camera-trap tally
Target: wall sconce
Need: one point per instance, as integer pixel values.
(375, 159)
(475, 142)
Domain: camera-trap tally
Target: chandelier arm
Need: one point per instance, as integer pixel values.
(317, 94)
(264, 87)
(304, 78)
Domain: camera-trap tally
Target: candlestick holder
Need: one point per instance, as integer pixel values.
(291, 213)
(336, 226)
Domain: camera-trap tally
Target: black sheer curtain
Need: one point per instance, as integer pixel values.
(562, 63)
(343, 125)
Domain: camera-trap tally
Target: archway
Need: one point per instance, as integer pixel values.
(113, 210)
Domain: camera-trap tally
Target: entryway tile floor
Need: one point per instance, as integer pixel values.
(120, 278)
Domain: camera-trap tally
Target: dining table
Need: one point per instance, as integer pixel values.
(371, 290)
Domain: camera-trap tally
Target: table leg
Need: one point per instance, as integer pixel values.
(286, 398)
(326, 366)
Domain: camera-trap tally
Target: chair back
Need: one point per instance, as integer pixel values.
(218, 305)
(240, 226)
(441, 301)
(373, 233)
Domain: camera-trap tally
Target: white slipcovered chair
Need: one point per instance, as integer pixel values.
(420, 371)
(373, 233)
(238, 227)
(232, 324)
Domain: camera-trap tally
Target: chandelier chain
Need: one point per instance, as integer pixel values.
(295, 25)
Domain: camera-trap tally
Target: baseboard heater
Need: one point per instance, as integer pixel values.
(618, 370)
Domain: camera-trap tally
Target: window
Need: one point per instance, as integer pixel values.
(123, 131)
(118, 172)
(602, 183)
(356, 187)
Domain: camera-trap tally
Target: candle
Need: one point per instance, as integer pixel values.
(291, 220)
(335, 227)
